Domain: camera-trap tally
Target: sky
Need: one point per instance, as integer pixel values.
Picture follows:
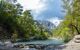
(50, 10)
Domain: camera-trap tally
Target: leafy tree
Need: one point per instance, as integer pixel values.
(72, 16)
(27, 24)
(8, 15)
(70, 26)
(14, 23)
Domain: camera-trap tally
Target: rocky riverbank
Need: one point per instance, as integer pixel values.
(9, 46)
(74, 44)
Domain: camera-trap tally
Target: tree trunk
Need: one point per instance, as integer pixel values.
(76, 29)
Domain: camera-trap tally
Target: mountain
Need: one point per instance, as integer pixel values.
(46, 24)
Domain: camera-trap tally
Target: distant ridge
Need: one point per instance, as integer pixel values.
(47, 24)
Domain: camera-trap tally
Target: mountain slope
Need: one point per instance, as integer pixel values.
(46, 24)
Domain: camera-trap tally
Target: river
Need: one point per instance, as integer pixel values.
(50, 42)
(45, 42)
(40, 45)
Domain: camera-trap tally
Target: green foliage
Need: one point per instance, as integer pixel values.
(8, 15)
(15, 24)
(62, 32)
(70, 26)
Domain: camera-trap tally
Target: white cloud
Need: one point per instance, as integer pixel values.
(55, 20)
(37, 6)
(32, 4)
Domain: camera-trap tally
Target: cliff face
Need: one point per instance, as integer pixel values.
(46, 24)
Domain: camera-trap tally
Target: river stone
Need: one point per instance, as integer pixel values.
(77, 36)
(77, 39)
(74, 44)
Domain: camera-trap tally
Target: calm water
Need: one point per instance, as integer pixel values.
(46, 42)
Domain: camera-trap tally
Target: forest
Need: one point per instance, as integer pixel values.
(70, 26)
(18, 24)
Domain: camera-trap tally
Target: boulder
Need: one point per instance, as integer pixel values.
(77, 39)
(74, 44)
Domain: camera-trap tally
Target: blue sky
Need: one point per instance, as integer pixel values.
(44, 9)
